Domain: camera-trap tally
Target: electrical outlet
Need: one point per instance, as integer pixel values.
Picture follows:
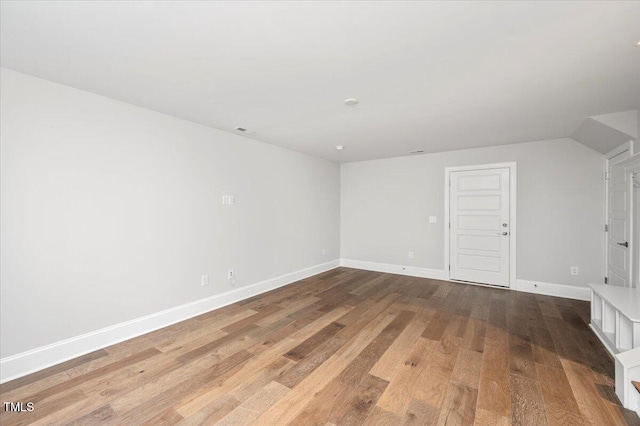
(230, 274)
(410, 255)
(204, 280)
(432, 219)
(575, 270)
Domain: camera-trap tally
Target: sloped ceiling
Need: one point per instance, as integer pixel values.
(599, 137)
(432, 76)
(625, 122)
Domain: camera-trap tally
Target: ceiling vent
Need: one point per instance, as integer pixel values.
(245, 130)
(420, 151)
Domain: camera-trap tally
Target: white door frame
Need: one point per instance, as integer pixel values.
(512, 215)
(631, 165)
(625, 147)
(634, 258)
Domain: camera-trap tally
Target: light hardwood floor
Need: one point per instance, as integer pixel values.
(345, 347)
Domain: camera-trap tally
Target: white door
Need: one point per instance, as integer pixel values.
(479, 220)
(618, 262)
(636, 226)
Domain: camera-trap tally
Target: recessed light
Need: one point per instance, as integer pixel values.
(351, 101)
(339, 147)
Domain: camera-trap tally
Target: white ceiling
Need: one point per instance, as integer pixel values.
(435, 76)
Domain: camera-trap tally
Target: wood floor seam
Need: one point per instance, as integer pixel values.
(345, 347)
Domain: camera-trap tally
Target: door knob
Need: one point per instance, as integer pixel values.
(503, 233)
(625, 244)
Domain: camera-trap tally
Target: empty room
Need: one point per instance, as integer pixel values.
(319, 212)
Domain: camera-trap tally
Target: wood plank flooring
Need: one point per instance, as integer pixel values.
(345, 347)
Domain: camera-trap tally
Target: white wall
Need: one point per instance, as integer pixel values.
(111, 212)
(385, 205)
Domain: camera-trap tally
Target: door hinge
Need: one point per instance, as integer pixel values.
(606, 228)
(449, 267)
(606, 280)
(449, 225)
(606, 175)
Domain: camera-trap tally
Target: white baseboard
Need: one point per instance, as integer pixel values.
(411, 271)
(551, 289)
(538, 287)
(19, 365)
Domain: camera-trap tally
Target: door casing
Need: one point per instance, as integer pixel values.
(631, 165)
(623, 153)
(512, 212)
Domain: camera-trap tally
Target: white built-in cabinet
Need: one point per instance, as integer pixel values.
(615, 316)
(615, 308)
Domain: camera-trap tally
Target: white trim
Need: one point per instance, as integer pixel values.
(629, 161)
(625, 147)
(512, 166)
(627, 369)
(410, 271)
(15, 366)
(553, 289)
(631, 166)
(28, 362)
(527, 286)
